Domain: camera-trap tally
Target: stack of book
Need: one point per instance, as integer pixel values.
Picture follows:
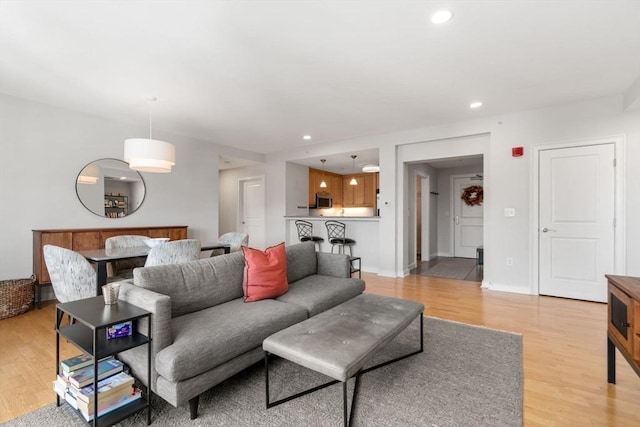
(75, 385)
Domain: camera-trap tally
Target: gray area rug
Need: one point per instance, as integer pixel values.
(467, 376)
(451, 268)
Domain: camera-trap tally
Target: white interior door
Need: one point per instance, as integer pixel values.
(252, 211)
(467, 219)
(576, 221)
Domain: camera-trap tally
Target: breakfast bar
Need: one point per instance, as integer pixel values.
(364, 230)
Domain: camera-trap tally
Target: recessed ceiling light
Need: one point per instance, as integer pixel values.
(306, 137)
(441, 16)
(476, 104)
(123, 178)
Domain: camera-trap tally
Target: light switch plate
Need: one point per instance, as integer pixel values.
(509, 212)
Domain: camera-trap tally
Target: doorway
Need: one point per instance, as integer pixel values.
(423, 219)
(433, 195)
(251, 210)
(576, 222)
(467, 196)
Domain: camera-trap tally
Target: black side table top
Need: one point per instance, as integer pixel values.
(94, 313)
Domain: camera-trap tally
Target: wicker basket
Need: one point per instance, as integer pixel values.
(16, 296)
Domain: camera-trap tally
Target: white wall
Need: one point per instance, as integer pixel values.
(297, 189)
(42, 149)
(507, 179)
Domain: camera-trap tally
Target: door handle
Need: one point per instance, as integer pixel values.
(457, 219)
(545, 229)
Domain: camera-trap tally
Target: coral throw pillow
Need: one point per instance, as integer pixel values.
(265, 273)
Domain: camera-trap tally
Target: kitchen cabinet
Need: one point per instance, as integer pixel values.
(344, 194)
(336, 189)
(334, 186)
(361, 195)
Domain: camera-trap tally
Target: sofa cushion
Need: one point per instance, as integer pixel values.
(195, 285)
(301, 261)
(265, 273)
(319, 293)
(205, 339)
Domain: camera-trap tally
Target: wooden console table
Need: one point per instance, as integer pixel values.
(623, 326)
(84, 239)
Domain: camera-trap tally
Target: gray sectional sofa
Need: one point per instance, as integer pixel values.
(202, 330)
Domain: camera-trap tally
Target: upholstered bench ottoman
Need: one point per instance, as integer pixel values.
(339, 342)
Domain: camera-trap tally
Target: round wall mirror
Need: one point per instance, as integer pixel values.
(108, 188)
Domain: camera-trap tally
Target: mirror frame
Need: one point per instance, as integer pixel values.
(102, 214)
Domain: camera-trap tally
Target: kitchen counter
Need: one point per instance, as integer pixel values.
(362, 229)
(337, 218)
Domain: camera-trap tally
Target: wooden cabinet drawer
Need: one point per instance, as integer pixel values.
(620, 317)
(87, 240)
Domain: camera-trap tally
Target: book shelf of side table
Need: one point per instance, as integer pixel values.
(89, 333)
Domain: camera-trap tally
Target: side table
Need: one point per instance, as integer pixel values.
(356, 268)
(89, 333)
(623, 326)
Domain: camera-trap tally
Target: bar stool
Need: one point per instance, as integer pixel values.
(336, 231)
(305, 233)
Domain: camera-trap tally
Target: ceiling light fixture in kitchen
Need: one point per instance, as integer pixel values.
(370, 168)
(441, 16)
(323, 183)
(353, 169)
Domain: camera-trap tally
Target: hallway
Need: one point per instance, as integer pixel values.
(451, 268)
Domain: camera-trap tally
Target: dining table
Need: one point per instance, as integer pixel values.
(101, 257)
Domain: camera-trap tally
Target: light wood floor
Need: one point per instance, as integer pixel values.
(565, 375)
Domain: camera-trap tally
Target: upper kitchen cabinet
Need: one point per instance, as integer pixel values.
(334, 186)
(361, 195)
(336, 189)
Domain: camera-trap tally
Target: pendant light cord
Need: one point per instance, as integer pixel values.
(154, 99)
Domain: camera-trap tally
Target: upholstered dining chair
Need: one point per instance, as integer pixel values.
(235, 239)
(305, 233)
(72, 276)
(174, 252)
(124, 268)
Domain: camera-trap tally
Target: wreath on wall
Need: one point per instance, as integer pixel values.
(472, 195)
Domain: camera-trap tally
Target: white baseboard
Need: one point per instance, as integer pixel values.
(501, 287)
(387, 273)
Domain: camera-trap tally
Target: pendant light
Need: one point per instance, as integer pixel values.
(353, 169)
(323, 183)
(89, 175)
(149, 155)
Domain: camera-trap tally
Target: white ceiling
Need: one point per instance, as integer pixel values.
(258, 75)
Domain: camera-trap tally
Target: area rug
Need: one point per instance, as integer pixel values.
(451, 268)
(466, 376)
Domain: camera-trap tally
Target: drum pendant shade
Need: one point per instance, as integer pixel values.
(149, 155)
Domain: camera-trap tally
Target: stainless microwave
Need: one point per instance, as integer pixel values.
(323, 200)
